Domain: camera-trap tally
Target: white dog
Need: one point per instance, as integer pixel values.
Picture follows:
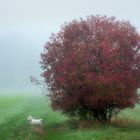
(34, 121)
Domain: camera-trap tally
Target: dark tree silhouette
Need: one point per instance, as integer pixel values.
(92, 67)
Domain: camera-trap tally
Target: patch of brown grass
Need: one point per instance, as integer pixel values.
(124, 122)
(39, 130)
(86, 124)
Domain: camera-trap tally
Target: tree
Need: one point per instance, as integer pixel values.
(92, 67)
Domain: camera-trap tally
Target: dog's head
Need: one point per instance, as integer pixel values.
(29, 118)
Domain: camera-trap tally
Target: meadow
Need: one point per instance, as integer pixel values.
(15, 108)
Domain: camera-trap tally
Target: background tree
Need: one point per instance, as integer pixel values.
(92, 67)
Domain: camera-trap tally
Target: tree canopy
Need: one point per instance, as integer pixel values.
(92, 67)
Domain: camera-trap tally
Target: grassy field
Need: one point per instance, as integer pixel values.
(14, 110)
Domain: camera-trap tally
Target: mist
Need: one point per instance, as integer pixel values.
(19, 58)
(25, 26)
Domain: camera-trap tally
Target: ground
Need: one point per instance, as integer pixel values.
(15, 108)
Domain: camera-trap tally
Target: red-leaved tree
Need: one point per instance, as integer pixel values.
(92, 67)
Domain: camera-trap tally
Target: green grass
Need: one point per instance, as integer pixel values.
(15, 109)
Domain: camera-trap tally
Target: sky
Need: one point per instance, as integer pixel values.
(25, 26)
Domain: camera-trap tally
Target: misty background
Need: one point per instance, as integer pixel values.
(25, 26)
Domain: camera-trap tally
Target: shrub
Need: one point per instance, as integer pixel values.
(92, 67)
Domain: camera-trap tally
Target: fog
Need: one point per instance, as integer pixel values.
(19, 59)
(25, 26)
